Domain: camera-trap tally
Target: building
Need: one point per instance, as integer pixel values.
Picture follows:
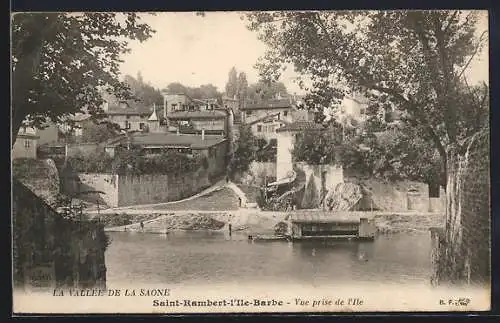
(286, 137)
(25, 145)
(128, 115)
(265, 127)
(281, 107)
(157, 140)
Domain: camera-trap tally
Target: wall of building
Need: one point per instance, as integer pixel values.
(217, 159)
(24, 147)
(135, 121)
(249, 116)
(209, 124)
(84, 148)
(284, 164)
(266, 129)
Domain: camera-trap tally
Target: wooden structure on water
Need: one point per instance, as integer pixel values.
(322, 225)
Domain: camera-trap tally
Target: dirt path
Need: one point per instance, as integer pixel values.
(142, 207)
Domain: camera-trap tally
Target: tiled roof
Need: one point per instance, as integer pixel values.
(168, 139)
(323, 216)
(133, 108)
(269, 104)
(269, 116)
(203, 114)
(302, 126)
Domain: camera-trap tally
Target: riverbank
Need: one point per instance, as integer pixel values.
(255, 221)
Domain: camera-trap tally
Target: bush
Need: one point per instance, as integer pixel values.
(95, 162)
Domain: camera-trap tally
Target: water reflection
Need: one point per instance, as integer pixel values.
(194, 257)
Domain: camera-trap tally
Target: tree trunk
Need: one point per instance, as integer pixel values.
(465, 246)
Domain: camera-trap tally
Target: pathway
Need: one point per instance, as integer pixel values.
(123, 209)
(153, 208)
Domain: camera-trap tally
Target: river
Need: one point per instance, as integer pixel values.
(192, 258)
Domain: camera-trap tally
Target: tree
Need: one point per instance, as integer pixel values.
(317, 147)
(97, 133)
(232, 83)
(61, 61)
(245, 151)
(266, 90)
(415, 59)
(241, 92)
(142, 91)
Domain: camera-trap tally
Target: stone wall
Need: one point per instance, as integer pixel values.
(257, 173)
(149, 189)
(69, 253)
(397, 195)
(125, 190)
(107, 183)
(462, 250)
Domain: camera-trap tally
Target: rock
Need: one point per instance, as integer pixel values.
(343, 197)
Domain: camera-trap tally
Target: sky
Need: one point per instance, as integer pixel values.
(196, 50)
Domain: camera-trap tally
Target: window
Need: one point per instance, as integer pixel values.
(362, 111)
(249, 113)
(127, 125)
(174, 107)
(141, 126)
(27, 143)
(434, 190)
(285, 113)
(259, 128)
(128, 117)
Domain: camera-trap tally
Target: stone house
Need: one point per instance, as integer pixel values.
(26, 143)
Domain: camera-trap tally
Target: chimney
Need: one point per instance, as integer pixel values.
(202, 134)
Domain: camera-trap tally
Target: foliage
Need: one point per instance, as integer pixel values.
(206, 91)
(97, 133)
(61, 61)
(264, 90)
(169, 162)
(95, 162)
(317, 147)
(264, 151)
(281, 228)
(143, 91)
(244, 153)
(232, 83)
(413, 60)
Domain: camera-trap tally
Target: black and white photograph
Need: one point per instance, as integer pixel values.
(250, 161)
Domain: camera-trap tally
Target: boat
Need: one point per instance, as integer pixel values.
(262, 237)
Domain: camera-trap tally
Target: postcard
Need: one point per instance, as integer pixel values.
(250, 162)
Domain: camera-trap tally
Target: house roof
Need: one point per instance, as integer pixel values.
(133, 108)
(269, 104)
(322, 217)
(302, 126)
(168, 139)
(203, 114)
(269, 116)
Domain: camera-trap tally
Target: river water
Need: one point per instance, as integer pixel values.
(191, 258)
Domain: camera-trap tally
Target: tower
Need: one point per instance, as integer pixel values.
(154, 121)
